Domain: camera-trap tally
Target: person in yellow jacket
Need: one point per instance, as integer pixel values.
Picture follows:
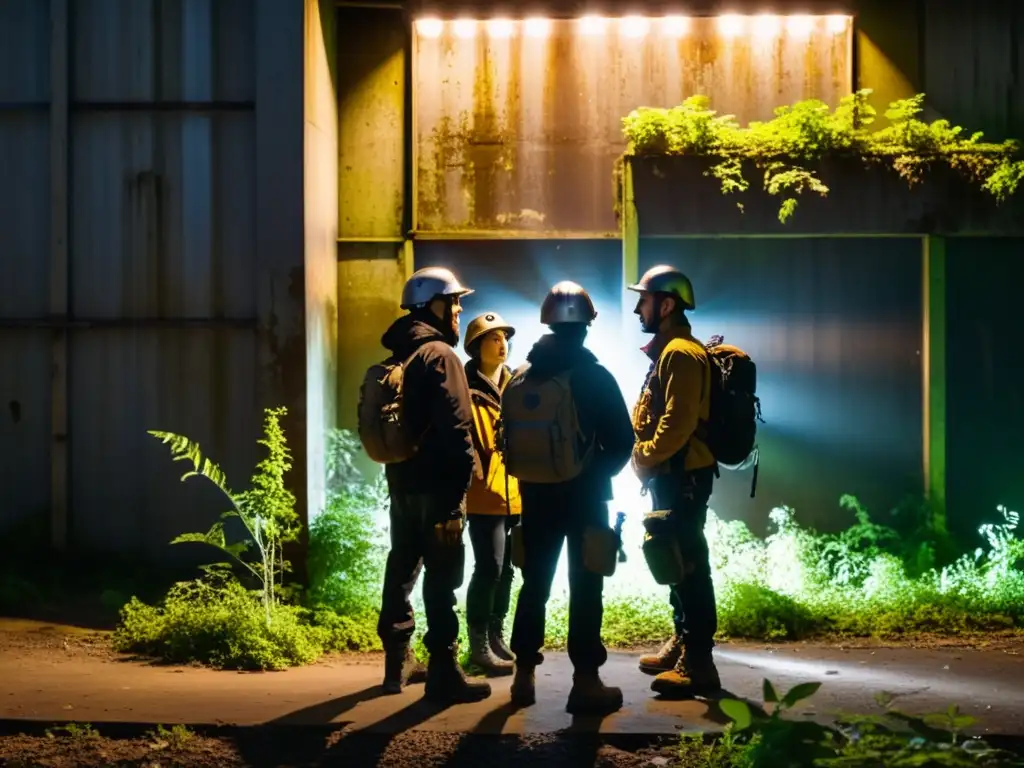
(491, 517)
(678, 470)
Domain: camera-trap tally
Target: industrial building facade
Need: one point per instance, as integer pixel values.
(211, 205)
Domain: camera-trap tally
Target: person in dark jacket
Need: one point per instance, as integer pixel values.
(428, 491)
(559, 512)
(493, 502)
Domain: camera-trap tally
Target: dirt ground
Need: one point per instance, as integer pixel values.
(35, 743)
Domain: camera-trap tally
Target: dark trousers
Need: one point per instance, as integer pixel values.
(545, 528)
(693, 602)
(490, 586)
(414, 547)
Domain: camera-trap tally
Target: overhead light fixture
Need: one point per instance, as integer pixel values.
(464, 28)
(537, 27)
(635, 26)
(767, 25)
(500, 28)
(800, 26)
(837, 24)
(675, 26)
(429, 27)
(730, 24)
(593, 25)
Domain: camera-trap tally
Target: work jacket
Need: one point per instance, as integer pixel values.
(487, 491)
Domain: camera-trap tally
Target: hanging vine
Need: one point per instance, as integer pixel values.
(788, 147)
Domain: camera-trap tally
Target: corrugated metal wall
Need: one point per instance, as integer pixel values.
(519, 130)
(985, 390)
(162, 329)
(972, 68)
(834, 326)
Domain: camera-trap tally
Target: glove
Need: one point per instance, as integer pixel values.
(449, 533)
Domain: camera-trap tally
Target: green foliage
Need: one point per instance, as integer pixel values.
(267, 509)
(217, 620)
(346, 549)
(756, 739)
(787, 148)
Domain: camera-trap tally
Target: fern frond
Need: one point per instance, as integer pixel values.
(183, 449)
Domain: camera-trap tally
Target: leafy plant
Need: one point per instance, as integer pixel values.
(267, 509)
(787, 148)
(757, 739)
(346, 550)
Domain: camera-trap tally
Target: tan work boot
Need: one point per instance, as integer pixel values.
(590, 696)
(448, 684)
(401, 667)
(482, 656)
(496, 638)
(524, 686)
(694, 675)
(663, 660)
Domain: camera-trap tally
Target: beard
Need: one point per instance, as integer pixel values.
(649, 326)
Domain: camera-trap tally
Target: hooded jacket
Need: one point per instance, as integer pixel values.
(487, 492)
(435, 404)
(602, 412)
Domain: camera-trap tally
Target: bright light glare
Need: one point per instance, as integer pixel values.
(675, 26)
(429, 27)
(593, 25)
(537, 27)
(730, 24)
(500, 28)
(465, 28)
(837, 24)
(800, 26)
(635, 26)
(767, 25)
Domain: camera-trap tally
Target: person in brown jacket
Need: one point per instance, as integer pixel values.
(678, 469)
(491, 516)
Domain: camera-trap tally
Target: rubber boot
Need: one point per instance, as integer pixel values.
(448, 684)
(480, 655)
(496, 639)
(663, 660)
(590, 696)
(401, 667)
(693, 675)
(524, 686)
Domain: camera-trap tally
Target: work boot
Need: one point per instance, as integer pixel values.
(590, 696)
(524, 686)
(693, 675)
(401, 667)
(448, 684)
(480, 654)
(496, 639)
(663, 660)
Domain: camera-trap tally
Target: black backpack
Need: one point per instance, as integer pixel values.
(731, 430)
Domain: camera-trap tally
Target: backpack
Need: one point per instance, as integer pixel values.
(540, 430)
(731, 430)
(382, 431)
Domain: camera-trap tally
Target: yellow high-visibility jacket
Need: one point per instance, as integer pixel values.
(486, 494)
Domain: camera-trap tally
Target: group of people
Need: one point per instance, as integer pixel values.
(453, 476)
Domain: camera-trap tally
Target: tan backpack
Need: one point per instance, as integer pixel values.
(382, 428)
(540, 430)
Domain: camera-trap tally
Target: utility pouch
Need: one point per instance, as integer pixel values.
(600, 550)
(661, 549)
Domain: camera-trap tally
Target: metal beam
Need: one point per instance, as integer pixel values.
(60, 72)
(192, 107)
(933, 375)
(65, 323)
(511, 234)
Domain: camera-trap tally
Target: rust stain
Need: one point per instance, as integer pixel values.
(527, 135)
